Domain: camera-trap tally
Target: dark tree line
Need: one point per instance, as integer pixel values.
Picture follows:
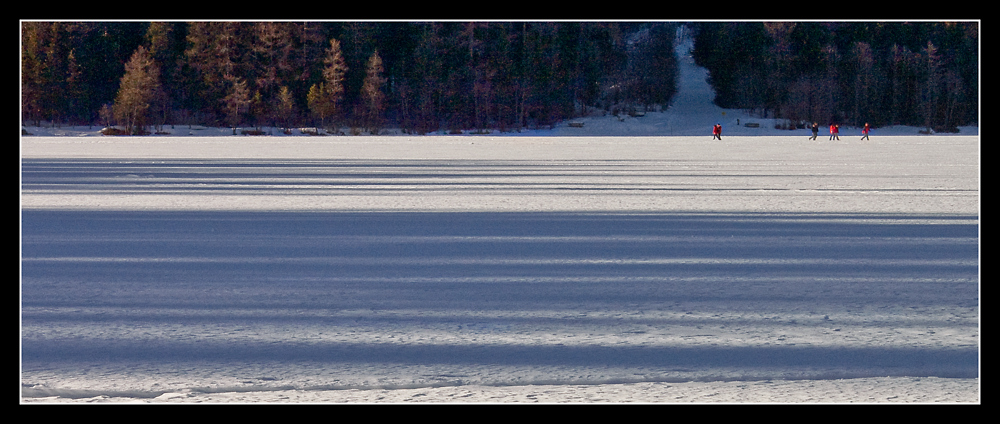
(884, 73)
(419, 76)
(432, 76)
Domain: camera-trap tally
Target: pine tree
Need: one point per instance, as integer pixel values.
(107, 115)
(317, 102)
(237, 102)
(55, 71)
(309, 49)
(954, 96)
(138, 89)
(498, 70)
(427, 67)
(158, 36)
(357, 41)
(258, 110)
(75, 89)
(372, 97)
(271, 59)
(864, 83)
(898, 59)
(32, 71)
(286, 108)
(165, 48)
(481, 75)
(217, 49)
(931, 91)
(333, 76)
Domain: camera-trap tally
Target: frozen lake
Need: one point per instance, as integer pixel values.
(369, 268)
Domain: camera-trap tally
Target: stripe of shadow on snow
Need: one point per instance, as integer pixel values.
(191, 248)
(881, 361)
(136, 267)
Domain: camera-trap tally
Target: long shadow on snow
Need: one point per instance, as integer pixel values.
(153, 268)
(311, 177)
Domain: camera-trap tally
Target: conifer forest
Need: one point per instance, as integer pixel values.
(423, 77)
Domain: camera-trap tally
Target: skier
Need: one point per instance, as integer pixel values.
(834, 132)
(865, 131)
(717, 131)
(815, 129)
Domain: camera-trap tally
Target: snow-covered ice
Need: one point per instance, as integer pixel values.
(630, 260)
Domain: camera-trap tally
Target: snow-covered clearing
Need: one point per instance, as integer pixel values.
(564, 265)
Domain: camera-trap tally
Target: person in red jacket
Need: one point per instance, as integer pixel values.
(717, 132)
(865, 131)
(834, 132)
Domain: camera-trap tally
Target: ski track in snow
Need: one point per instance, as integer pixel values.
(547, 267)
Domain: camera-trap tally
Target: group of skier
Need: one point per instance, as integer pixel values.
(834, 131)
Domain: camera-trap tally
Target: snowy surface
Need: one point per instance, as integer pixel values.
(631, 260)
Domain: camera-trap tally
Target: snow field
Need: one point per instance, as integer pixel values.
(759, 174)
(629, 260)
(396, 269)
